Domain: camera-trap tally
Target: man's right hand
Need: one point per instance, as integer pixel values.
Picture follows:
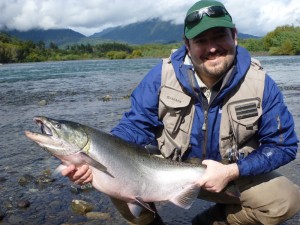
(79, 175)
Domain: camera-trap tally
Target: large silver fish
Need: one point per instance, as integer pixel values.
(124, 171)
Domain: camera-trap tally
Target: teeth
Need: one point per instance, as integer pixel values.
(46, 130)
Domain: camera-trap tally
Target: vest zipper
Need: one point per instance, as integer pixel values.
(205, 124)
(205, 121)
(204, 129)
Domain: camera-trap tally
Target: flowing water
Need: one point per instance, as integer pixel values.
(76, 90)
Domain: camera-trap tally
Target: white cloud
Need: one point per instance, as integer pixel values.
(251, 16)
(261, 16)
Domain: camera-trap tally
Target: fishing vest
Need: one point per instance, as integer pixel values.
(239, 120)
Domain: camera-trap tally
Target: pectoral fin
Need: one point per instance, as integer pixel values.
(58, 170)
(135, 209)
(144, 204)
(94, 163)
(186, 197)
(144, 217)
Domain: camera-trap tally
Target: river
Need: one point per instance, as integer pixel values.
(76, 90)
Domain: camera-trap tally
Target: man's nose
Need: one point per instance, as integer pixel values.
(212, 45)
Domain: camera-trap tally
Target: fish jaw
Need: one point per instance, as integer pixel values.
(53, 137)
(44, 141)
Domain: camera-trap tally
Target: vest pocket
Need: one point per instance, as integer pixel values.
(245, 112)
(175, 107)
(244, 116)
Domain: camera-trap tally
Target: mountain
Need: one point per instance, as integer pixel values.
(57, 36)
(149, 31)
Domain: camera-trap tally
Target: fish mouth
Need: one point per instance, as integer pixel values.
(48, 138)
(47, 134)
(44, 128)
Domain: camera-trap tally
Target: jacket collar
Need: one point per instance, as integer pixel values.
(241, 66)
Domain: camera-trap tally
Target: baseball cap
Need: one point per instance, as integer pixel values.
(204, 15)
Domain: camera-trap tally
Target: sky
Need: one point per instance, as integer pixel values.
(255, 17)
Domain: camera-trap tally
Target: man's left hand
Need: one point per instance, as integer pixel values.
(217, 175)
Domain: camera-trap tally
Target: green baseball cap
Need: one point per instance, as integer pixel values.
(214, 14)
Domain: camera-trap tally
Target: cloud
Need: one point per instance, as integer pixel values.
(260, 17)
(251, 16)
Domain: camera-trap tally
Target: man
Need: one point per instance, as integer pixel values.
(211, 102)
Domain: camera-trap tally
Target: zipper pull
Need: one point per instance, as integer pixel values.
(205, 120)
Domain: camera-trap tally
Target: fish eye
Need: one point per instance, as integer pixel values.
(57, 125)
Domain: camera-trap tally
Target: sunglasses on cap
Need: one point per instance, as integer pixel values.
(212, 11)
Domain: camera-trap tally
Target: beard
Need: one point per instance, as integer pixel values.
(216, 65)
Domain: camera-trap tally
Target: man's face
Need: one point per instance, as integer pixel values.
(212, 52)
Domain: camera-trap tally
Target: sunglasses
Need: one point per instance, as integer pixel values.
(212, 11)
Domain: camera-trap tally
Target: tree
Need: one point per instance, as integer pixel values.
(283, 40)
(53, 46)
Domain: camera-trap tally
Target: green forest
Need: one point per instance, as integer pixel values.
(284, 40)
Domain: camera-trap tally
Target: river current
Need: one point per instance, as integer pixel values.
(78, 91)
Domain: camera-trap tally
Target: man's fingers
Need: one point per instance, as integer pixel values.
(68, 170)
(88, 180)
(85, 177)
(205, 162)
(79, 175)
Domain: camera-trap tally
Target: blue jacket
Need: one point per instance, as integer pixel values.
(277, 148)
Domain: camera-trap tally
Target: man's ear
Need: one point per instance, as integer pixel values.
(235, 35)
(187, 44)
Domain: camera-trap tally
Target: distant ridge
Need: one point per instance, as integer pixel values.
(57, 36)
(149, 31)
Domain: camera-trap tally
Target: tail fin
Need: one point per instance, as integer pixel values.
(232, 190)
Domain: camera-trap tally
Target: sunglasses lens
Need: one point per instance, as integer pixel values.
(215, 11)
(192, 19)
(212, 11)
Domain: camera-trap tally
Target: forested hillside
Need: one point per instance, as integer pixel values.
(284, 40)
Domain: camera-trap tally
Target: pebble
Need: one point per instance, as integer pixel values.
(106, 98)
(7, 204)
(2, 179)
(42, 102)
(98, 216)
(2, 215)
(23, 204)
(43, 179)
(87, 187)
(25, 179)
(14, 219)
(81, 207)
(75, 189)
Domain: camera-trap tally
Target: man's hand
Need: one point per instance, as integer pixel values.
(218, 175)
(79, 175)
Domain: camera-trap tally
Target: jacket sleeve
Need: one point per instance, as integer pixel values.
(276, 135)
(139, 124)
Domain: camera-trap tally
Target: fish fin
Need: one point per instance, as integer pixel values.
(58, 170)
(186, 197)
(232, 190)
(94, 163)
(135, 209)
(152, 150)
(145, 216)
(144, 204)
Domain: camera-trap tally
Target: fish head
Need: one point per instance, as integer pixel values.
(59, 137)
